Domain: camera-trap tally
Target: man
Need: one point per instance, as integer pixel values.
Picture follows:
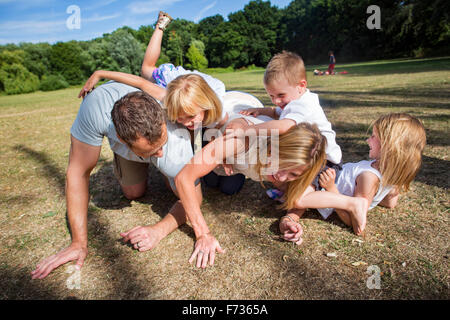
(138, 133)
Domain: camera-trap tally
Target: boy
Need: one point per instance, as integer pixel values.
(285, 82)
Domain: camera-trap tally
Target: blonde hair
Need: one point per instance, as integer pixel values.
(302, 145)
(191, 94)
(285, 65)
(402, 138)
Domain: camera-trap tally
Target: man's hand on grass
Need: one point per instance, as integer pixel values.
(73, 252)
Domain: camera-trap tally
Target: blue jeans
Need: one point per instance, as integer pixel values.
(227, 184)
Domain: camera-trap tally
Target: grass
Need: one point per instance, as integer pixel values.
(409, 243)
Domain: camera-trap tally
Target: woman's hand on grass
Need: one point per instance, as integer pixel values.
(205, 249)
(75, 251)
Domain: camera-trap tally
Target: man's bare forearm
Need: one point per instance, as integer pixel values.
(77, 197)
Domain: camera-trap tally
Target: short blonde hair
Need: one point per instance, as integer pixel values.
(285, 65)
(402, 139)
(190, 94)
(302, 145)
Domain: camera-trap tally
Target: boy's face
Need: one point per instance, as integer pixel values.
(281, 92)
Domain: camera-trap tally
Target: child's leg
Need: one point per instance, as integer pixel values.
(355, 207)
(152, 54)
(154, 46)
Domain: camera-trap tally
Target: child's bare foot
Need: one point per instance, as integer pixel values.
(359, 214)
(163, 20)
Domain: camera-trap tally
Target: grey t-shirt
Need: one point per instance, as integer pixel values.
(94, 121)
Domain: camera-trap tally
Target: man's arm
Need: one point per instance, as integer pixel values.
(82, 159)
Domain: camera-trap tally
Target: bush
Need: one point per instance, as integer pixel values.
(53, 82)
(15, 78)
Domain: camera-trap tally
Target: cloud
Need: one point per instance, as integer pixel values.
(96, 17)
(144, 7)
(99, 4)
(202, 12)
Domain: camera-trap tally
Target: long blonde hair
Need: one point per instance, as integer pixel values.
(402, 139)
(189, 94)
(302, 145)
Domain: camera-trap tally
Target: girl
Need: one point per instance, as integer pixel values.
(191, 97)
(396, 147)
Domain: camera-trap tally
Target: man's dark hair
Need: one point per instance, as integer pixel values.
(138, 114)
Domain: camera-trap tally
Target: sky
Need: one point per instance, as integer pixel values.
(56, 20)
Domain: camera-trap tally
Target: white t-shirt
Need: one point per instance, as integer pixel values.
(94, 121)
(235, 101)
(346, 182)
(307, 109)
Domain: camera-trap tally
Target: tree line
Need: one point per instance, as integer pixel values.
(251, 36)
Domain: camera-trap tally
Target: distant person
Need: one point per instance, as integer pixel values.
(332, 63)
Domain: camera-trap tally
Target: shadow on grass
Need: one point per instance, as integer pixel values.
(124, 273)
(18, 285)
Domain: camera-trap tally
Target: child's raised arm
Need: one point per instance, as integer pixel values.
(125, 78)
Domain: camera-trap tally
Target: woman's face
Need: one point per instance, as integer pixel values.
(191, 122)
(287, 174)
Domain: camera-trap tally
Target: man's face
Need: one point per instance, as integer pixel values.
(144, 149)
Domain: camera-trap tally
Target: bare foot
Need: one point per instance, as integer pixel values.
(358, 214)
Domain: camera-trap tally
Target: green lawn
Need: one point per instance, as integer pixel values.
(409, 243)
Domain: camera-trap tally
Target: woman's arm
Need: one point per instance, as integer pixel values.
(125, 78)
(200, 165)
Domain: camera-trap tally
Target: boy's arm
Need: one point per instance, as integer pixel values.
(270, 112)
(281, 125)
(125, 78)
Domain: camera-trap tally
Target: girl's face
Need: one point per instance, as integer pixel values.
(191, 122)
(287, 175)
(374, 145)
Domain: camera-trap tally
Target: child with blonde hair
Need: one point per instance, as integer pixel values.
(396, 147)
(285, 82)
(190, 97)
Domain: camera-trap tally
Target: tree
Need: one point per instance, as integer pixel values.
(66, 59)
(226, 47)
(37, 58)
(258, 24)
(14, 77)
(125, 50)
(196, 56)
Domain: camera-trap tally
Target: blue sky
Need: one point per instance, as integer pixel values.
(45, 20)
